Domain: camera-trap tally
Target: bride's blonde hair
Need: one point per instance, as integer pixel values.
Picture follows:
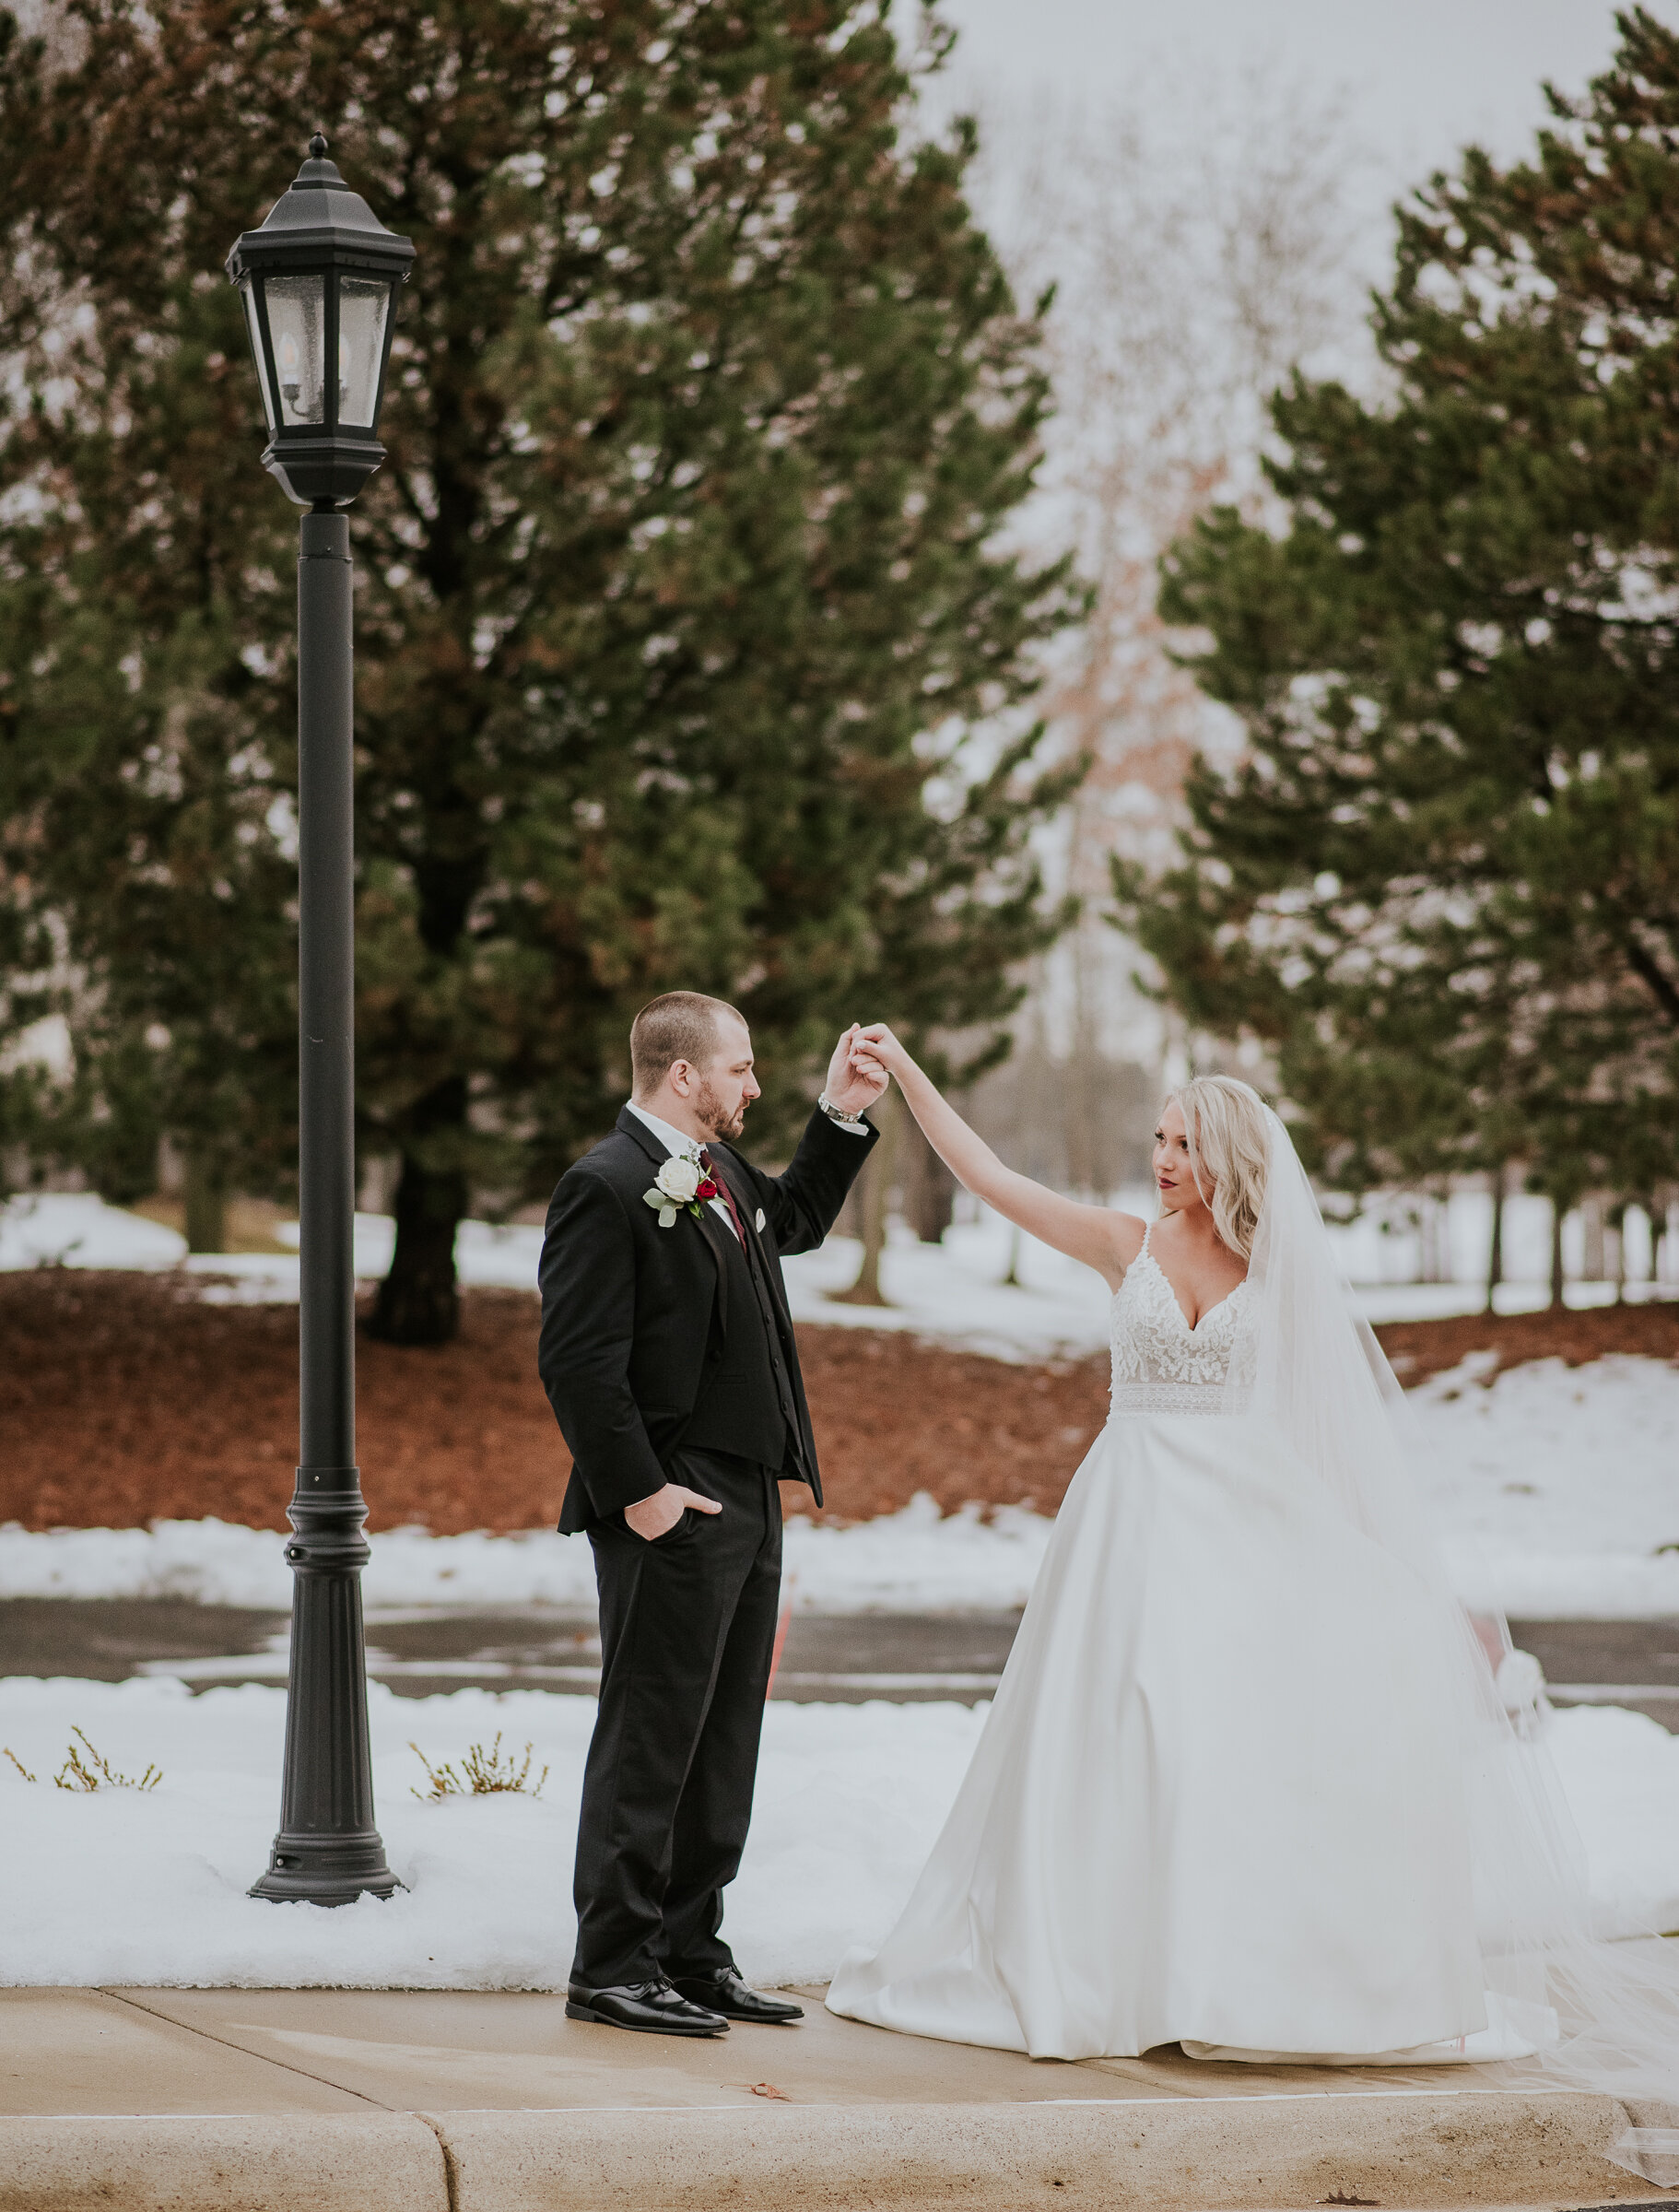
(1224, 1121)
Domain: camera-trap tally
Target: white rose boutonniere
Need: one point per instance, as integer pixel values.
(679, 1179)
(681, 1185)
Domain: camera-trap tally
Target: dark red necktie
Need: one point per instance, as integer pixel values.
(725, 1193)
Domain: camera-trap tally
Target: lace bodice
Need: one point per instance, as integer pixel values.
(1160, 1364)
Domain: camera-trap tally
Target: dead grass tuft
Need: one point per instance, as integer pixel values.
(483, 1774)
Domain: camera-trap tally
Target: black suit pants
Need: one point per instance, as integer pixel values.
(688, 1635)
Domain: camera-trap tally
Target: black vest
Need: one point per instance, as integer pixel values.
(745, 1402)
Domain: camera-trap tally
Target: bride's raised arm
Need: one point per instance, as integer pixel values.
(1105, 1240)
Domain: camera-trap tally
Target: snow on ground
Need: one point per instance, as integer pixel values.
(953, 1293)
(74, 1228)
(117, 1887)
(1557, 1487)
(1620, 1774)
(124, 1889)
(905, 1562)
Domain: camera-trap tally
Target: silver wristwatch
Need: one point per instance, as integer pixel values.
(837, 1114)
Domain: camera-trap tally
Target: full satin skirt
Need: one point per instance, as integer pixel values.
(1218, 1799)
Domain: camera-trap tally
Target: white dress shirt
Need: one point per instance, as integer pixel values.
(680, 1147)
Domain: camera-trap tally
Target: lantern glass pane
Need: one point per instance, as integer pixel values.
(247, 292)
(297, 322)
(364, 302)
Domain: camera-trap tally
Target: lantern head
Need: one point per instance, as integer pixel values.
(318, 279)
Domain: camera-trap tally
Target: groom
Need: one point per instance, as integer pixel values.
(667, 1353)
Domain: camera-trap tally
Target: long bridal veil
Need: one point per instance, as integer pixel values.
(1588, 2012)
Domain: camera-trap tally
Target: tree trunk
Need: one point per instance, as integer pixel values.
(206, 1195)
(1494, 1258)
(929, 1188)
(1594, 1270)
(1428, 1236)
(874, 1189)
(418, 1301)
(1556, 1274)
(1012, 1281)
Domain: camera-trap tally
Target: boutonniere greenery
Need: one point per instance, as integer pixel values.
(681, 1186)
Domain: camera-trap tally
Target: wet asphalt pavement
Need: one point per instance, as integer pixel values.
(422, 1651)
(827, 1658)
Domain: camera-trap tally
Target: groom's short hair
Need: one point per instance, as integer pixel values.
(682, 1025)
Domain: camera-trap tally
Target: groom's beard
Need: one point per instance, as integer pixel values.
(710, 1109)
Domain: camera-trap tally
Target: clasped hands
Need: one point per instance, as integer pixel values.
(874, 1056)
(855, 1077)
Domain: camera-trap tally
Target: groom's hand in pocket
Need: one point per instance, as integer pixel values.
(657, 1515)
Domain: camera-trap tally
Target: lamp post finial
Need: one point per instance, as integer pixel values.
(317, 147)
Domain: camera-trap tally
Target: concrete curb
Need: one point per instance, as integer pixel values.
(150, 2162)
(1211, 2154)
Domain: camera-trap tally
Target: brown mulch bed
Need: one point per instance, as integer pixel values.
(1420, 1348)
(124, 1399)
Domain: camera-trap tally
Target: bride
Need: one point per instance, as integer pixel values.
(1248, 1785)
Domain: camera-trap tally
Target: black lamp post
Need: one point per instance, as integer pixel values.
(319, 281)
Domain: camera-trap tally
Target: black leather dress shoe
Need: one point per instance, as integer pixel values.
(648, 2007)
(725, 1993)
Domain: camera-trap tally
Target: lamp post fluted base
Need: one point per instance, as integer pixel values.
(328, 1851)
(325, 1870)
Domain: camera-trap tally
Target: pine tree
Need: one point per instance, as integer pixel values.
(678, 600)
(1443, 882)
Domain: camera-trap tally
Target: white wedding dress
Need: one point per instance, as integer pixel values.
(1249, 1783)
(1214, 1803)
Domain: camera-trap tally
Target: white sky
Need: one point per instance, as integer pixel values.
(1423, 76)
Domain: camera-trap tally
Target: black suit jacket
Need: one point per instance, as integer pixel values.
(633, 1315)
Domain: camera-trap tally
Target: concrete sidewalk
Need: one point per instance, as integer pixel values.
(349, 2101)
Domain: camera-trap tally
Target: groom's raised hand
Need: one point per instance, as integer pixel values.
(852, 1086)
